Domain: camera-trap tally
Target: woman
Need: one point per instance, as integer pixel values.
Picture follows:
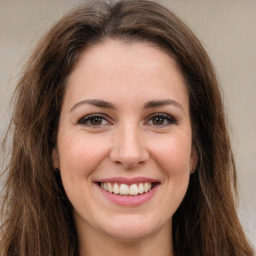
(120, 145)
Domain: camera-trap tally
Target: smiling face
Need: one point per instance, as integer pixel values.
(124, 144)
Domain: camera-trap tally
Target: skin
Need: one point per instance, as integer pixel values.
(125, 141)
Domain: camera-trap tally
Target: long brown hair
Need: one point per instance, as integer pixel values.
(37, 214)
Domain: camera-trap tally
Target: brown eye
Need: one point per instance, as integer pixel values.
(161, 120)
(158, 121)
(96, 121)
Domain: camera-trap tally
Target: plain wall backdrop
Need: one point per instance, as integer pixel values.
(227, 29)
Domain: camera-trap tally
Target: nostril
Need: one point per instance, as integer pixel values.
(118, 162)
(129, 164)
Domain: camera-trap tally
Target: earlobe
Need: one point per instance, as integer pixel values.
(55, 159)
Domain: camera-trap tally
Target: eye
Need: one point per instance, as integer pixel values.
(161, 120)
(94, 120)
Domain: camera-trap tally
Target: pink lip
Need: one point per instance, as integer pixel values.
(127, 181)
(129, 200)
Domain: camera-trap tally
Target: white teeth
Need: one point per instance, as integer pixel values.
(141, 188)
(116, 188)
(124, 189)
(146, 186)
(134, 189)
(110, 188)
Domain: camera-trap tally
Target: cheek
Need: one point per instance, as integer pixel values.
(173, 158)
(173, 155)
(80, 155)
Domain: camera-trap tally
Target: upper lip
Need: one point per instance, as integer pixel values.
(128, 181)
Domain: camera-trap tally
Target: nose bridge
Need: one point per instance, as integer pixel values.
(128, 146)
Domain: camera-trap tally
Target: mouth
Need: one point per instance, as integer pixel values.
(124, 189)
(128, 191)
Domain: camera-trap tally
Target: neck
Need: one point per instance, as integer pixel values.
(93, 243)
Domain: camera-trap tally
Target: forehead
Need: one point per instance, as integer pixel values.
(120, 68)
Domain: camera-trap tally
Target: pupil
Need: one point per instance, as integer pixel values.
(96, 121)
(158, 121)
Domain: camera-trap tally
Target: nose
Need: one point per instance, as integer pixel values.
(129, 149)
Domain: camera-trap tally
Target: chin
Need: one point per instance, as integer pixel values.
(130, 228)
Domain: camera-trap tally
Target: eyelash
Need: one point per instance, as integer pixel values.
(165, 118)
(86, 120)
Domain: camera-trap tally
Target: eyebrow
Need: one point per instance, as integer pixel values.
(148, 105)
(160, 103)
(94, 102)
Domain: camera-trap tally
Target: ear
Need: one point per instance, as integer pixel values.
(55, 159)
(193, 159)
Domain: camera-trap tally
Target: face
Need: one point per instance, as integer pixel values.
(124, 144)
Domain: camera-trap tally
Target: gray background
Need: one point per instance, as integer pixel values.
(227, 29)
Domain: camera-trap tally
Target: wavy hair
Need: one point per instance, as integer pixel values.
(37, 216)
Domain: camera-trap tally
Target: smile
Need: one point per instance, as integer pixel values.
(126, 190)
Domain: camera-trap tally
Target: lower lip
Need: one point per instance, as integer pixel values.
(129, 200)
